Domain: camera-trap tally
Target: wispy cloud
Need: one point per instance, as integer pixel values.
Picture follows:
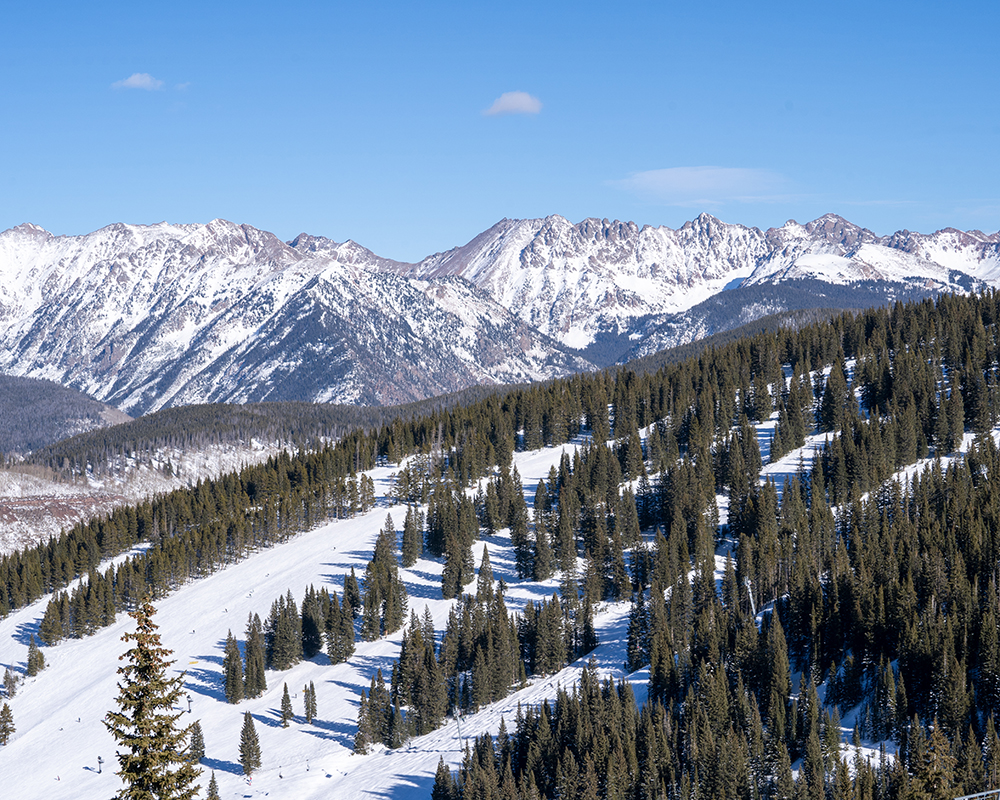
(514, 103)
(706, 186)
(139, 80)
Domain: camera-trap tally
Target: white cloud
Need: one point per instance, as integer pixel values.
(706, 186)
(514, 103)
(139, 80)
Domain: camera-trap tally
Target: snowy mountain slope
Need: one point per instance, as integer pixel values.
(574, 281)
(836, 251)
(579, 283)
(149, 316)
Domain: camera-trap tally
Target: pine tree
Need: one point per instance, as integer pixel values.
(254, 679)
(249, 746)
(156, 762)
(412, 537)
(286, 708)
(36, 661)
(365, 737)
(10, 682)
(232, 670)
(309, 700)
(213, 789)
(444, 783)
(6, 724)
(312, 623)
(352, 594)
(196, 750)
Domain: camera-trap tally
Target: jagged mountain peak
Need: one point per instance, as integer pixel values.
(148, 315)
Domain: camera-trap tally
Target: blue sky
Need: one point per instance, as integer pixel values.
(372, 121)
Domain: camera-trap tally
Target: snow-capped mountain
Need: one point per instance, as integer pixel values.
(579, 282)
(148, 316)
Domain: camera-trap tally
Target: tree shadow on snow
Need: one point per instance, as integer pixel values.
(222, 766)
(25, 631)
(410, 787)
(339, 732)
(205, 680)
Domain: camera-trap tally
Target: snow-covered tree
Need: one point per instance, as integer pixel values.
(154, 763)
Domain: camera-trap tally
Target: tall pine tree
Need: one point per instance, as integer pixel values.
(155, 764)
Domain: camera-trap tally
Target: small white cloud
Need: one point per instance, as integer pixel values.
(705, 186)
(139, 80)
(514, 103)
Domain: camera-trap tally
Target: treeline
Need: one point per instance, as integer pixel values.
(182, 536)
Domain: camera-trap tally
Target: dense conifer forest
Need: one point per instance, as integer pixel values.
(35, 413)
(886, 593)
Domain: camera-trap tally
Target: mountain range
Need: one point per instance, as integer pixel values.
(144, 317)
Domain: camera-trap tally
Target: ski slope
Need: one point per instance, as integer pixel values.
(58, 713)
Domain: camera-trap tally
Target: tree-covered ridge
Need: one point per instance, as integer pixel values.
(34, 413)
(883, 593)
(298, 424)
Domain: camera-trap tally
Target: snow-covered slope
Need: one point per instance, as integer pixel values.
(58, 713)
(574, 281)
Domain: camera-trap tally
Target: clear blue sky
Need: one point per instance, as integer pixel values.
(370, 121)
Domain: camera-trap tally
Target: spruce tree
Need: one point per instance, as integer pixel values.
(249, 746)
(444, 783)
(254, 679)
(10, 682)
(309, 702)
(196, 751)
(286, 708)
(156, 762)
(311, 710)
(412, 537)
(7, 724)
(36, 661)
(232, 670)
(213, 789)
(352, 594)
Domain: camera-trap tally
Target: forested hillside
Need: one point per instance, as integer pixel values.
(34, 413)
(190, 428)
(866, 584)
